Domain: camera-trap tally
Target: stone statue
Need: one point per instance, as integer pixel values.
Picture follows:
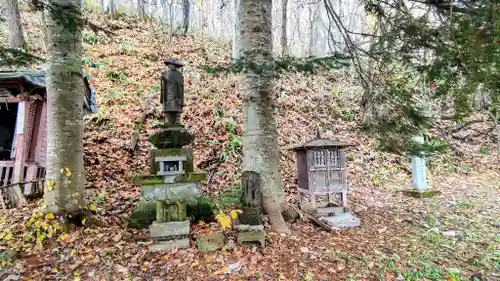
(172, 92)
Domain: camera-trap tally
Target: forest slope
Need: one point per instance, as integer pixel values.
(398, 234)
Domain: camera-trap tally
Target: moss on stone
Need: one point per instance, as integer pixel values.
(143, 214)
(420, 193)
(171, 137)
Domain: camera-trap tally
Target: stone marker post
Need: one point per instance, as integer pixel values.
(418, 168)
(419, 189)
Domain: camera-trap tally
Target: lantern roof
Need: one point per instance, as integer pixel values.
(321, 143)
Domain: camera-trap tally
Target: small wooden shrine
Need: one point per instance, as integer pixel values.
(23, 130)
(321, 170)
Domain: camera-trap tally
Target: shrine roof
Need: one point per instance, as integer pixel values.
(316, 143)
(31, 78)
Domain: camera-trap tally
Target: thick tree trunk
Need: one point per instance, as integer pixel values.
(16, 38)
(284, 23)
(65, 181)
(260, 143)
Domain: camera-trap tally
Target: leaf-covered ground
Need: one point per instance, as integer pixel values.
(438, 238)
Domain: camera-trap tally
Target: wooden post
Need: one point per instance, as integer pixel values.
(17, 194)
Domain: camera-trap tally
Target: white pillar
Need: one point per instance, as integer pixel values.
(418, 168)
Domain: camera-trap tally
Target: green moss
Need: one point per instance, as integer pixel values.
(202, 210)
(172, 137)
(143, 215)
(420, 193)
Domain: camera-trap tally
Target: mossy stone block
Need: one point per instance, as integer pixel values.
(251, 216)
(420, 193)
(143, 214)
(202, 210)
(154, 166)
(197, 176)
(253, 236)
(171, 137)
(210, 242)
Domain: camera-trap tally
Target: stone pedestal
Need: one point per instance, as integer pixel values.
(170, 187)
(252, 236)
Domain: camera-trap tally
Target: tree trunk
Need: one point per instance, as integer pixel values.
(260, 143)
(235, 42)
(112, 9)
(16, 38)
(141, 10)
(186, 7)
(65, 179)
(44, 30)
(284, 22)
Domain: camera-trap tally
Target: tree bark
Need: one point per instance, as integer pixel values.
(235, 42)
(44, 29)
(112, 9)
(141, 9)
(186, 7)
(260, 143)
(65, 180)
(16, 38)
(284, 30)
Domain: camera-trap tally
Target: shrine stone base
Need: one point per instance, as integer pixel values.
(416, 193)
(169, 235)
(341, 221)
(258, 236)
(165, 246)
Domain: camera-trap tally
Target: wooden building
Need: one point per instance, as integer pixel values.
(23, 127)
(321, 170)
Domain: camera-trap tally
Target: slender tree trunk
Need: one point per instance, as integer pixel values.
(112, 9)
(65, 181)
(235, 42)
(284, 23)
(44, 29)
(16, 38)
(141, 10)
(260, 143)
(186, 7)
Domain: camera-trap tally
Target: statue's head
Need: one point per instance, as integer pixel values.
(173, 63)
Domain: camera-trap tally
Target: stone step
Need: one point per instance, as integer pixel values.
(165, 246)
(166, 229)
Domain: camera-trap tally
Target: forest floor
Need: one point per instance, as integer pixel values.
(400, 238)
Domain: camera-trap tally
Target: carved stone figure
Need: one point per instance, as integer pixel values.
(172, 91)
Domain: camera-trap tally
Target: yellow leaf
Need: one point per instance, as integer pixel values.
(8, 236)
(50, 185)
(54, 270)
(84, 221)
(92, 207)
(73, 252)
(224, 221)
(68, 172)
(234, 214)
(165, 257)
(62, 171)
(49, 216)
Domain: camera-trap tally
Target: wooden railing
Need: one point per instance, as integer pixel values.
(30, 187)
